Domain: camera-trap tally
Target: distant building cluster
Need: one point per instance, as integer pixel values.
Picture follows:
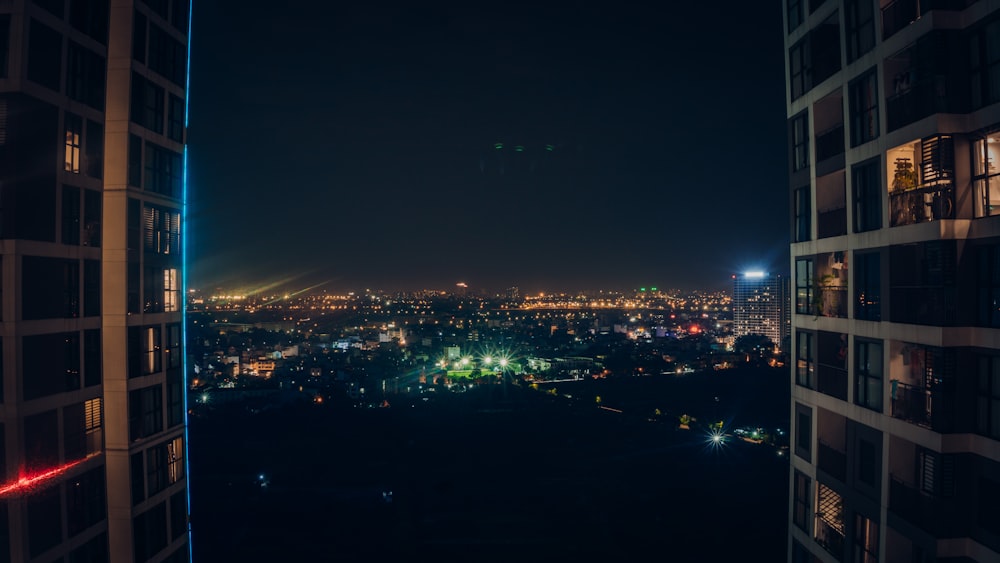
(761, 305)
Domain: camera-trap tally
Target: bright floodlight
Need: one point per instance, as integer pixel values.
(488, 360)
(503, 362)
(465, 361)
(754, 274)
(716, 438)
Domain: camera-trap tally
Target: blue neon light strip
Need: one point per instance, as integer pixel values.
(184, 278)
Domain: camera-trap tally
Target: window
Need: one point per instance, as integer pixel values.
(85, 76)
(179, 15)
(867, 286)
(95, 150)
(800, 141)
(149, 532)
(923, 285)
(988, 397)
(865, 540)
(167, 56)
(41, 441)
(139, 37)
(815, 57)
(145, 411)
(161, 230)
(90, 17)
(831, 364)
(173, 345)
(134, 161)
(164, 170)
(799, 68)
(175, 119)
(175, 398)
(802, 498)
(92, 357)
(863, 94)
(138, 478)
(986, 175)
(171, 291)
(805, 362)
(804, 286)
(144, 350)
(51, 364)
(984, 65)
(83, 429)
(51, 288)
(147, 104)
(91, 218)
(803, 432)
(95, 550)
(85, 500)
(179, 518)
(152, 290)
(868, 374)
(175, 460)
(859, 28)
(803, 214)
(868, 463)
(4, 43)
(70, 210)
(156, 469)
(44, 55)
(44, 520)
(73, 143)
(829, 521)
(867, 184)
(794, 14)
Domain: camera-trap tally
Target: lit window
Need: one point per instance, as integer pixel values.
(175, 460)
(74, 134)
(93, 417)
(171, 291)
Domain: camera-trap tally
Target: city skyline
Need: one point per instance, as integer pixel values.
(362, 149)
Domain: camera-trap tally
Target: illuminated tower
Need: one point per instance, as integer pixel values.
(893, 116)
(758, 306)
(92, 132)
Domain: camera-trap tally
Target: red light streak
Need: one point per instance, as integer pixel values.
(30, 483)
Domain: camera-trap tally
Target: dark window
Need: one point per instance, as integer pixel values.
(85, 501)
(173, 345)
(984, 64)
(51, 364)
(44, 520)
(175, 398)
(805, 361)
(138, 474)
(54, 7)
(92, 357)
(44, 55)
(167, 56)
(70, 214)
(863, 92)
(147, 106)
(867, 186)
(91, 218)
(988, 397)
(794, 14)
(867, 286)
(73, 145)
(923, 285)
(41, 441)
(94, 162)
(145, 411)
(90, 17)
(4, 43)
(988, 500)
(803, 432)
(859, 27)
(179, 15)
(149, 532)
(988, 286)
(800, 141)
(865, 540)
(85, 76)
(152, 290)
(802, 496)
(803, 214)
(799, 67)
(868, 465)
(164, 170)
(868, 373)
(139, 37)
(175, 119)
(178, 514)
(91, 288)
(831, 364)
(804, 286)
(134, 161)
(156, 469)
(158, 7)
(94, 551)
(51, 288)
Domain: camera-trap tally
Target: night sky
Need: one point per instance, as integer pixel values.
(355, 145)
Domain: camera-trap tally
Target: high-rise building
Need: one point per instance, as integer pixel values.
(759, 306)
(893, 122)
(92, 165)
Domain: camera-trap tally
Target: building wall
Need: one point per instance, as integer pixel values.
(894, 325)
(92, 127)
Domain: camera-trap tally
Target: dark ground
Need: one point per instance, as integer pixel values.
(477, 477)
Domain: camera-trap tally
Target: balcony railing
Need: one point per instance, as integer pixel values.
(922, 205)
(832, 461)
(831, 223)
(830, 143)
(935, 515)
(910, 403)
(901, 13)
(830, 539)
(833, 301)
(917, 102)
(832, 381)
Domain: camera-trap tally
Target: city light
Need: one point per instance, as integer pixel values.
(754, 274)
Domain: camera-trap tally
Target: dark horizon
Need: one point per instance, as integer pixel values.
(349, 145)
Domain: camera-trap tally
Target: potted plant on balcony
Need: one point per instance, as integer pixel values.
(905, 206)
